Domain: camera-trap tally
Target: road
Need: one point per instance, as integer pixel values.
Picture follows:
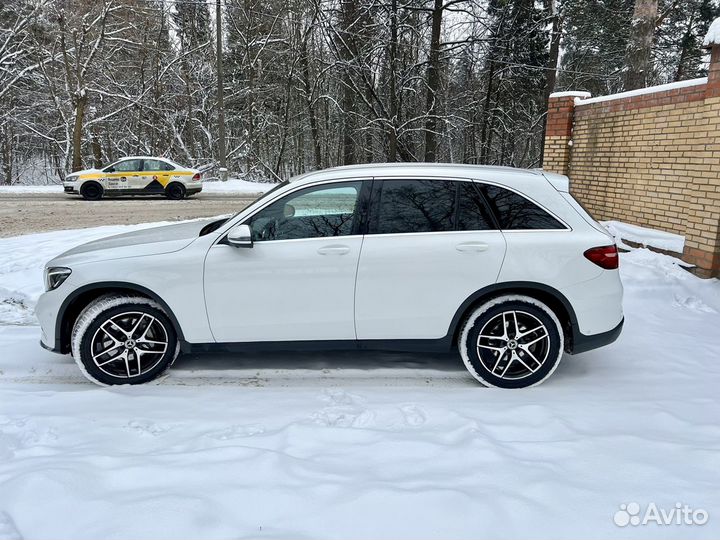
(23, 213)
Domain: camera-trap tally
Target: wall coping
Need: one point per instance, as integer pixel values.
(643, 91)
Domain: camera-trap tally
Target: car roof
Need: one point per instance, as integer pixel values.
(428, 170)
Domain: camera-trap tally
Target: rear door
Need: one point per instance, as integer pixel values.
(157, 175)
(431, 243)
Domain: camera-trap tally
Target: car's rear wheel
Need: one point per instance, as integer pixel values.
(511, 341)
(175, 191)
(123, 340)
(91, 191)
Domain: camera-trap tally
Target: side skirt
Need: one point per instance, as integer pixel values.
(393, 345)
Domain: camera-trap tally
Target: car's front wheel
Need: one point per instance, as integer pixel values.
(511, 341)
(91, 191)
(123, 340)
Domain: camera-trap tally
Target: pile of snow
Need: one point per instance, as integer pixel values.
(644, 236)
(713, 35)
(366, 445)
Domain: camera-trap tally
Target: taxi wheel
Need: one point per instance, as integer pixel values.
(91, 191)
(175, 191)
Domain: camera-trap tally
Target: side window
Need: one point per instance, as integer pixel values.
(155, 165)
(408, 206)
(317, 212)
(130, 165)
(473, 214)
(516, 212)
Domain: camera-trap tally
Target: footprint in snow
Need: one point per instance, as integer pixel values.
(8, 530)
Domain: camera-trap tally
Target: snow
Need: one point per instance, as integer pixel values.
(576, 94)
(365, 445)
(22, 188)
(713, 35)
(234, 185)
(643, 91)
(645, 236)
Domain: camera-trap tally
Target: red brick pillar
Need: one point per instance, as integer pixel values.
(558, 130)
(713, 85)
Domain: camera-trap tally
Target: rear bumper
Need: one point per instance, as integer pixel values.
(582, 343)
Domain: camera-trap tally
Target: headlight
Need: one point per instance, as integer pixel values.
(55, 276)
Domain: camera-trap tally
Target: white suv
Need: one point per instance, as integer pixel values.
(502, 263)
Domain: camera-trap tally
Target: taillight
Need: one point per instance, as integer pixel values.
(605, 256)
(196, 177)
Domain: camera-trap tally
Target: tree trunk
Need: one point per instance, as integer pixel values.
(433, 83)
(638, 59)
(392, 128)
(80, 104)
(553, 58)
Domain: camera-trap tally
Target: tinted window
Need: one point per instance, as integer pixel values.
(472, 211)
(416, 206)
(310, 213)
(516, 212)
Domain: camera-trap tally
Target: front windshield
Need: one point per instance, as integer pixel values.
(263, 196)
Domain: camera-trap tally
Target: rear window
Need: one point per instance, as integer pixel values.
(515, 212)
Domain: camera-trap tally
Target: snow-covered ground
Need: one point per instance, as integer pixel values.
(364, 445)
(234, 185)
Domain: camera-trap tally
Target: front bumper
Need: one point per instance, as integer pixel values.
(46, 311)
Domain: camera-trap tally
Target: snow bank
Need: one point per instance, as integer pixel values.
(643, 91)
(235, 185)
(20, 188)
(713, 35)
(369, 445)
(647, 237)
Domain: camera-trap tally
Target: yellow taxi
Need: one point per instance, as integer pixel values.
(135, 175)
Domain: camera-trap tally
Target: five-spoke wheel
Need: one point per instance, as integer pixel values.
(511, 342)
(124, 340)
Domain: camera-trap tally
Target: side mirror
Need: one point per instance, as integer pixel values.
(240, 236)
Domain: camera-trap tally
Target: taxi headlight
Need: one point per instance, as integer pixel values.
(55, 276)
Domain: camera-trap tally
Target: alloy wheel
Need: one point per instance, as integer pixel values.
(513, 345)
(129, 344)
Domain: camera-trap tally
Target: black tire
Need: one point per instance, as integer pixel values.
(91, 191)
(175, 191)
(511, 341)
(109, 352)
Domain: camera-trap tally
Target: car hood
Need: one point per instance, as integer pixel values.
(86, 171)
(153, 241)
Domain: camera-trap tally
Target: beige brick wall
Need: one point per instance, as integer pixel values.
(651, 160)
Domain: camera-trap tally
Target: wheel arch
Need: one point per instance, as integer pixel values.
(81, 297)
(550, 296)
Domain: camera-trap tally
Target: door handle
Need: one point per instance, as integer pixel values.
(334, 250)
(472, 247)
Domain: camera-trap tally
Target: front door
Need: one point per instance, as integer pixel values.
(125, 175)
(297, 281)
(431, 244)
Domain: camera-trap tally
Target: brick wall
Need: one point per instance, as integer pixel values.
(651, 159)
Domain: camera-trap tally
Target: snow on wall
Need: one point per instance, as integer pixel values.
(643, 91)
(713, 35)
(646, 236)
(577, 94)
